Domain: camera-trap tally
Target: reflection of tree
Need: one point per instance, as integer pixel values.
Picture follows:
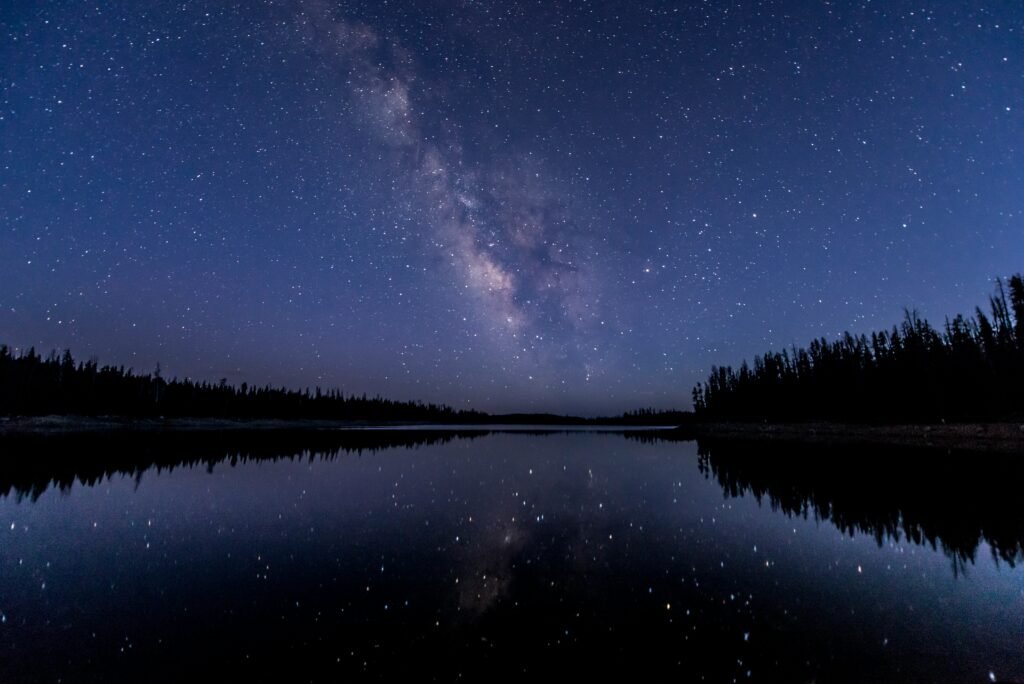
(948, 500)
(33, 463)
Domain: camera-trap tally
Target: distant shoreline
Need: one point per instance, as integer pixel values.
(89, 424)
(985, 436)
(73, 424)
(1003, 436)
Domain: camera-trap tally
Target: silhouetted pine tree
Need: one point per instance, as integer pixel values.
(972, 370)
(32, 386)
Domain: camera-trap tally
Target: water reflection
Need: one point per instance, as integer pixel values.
(33, 463)
(477, 555)
(950, 500)
(954, 501)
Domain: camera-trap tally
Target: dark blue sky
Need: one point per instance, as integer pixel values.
(572, 206)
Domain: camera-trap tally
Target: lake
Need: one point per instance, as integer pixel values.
(441, 555)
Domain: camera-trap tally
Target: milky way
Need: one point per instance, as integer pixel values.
(571, 206)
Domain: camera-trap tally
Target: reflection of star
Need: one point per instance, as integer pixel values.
(490, 567)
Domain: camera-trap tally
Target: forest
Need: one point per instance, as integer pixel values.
(970, 370)
(31, 385)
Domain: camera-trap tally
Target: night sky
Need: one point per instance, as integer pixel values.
(557, 205)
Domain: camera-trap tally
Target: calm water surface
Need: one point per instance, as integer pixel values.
(508, 553)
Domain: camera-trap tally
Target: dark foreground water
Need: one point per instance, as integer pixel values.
(505, 556)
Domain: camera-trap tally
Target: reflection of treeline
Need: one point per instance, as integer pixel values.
(973, 369)
(962, 502)
(34, 462)
(33, 385)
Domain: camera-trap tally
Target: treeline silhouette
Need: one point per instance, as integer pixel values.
(973, 369)
(31, 385)
(880, 492)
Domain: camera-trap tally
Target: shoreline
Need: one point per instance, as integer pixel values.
(978, 436)
(70, 425)
(88, 424)
(1002, 436)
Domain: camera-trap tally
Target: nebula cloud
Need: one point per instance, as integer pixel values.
(505, 235)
